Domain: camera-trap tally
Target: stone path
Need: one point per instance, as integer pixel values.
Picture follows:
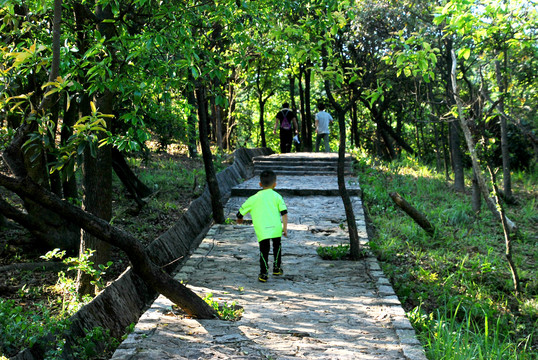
(318, 309)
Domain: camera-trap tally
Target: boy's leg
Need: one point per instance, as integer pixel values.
(265, 246)
(277, 252)
(318, 139)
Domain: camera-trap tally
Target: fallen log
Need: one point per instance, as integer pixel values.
(416, 215)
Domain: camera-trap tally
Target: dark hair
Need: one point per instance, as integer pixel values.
(285, 105)
(321, 106)
(267, 178)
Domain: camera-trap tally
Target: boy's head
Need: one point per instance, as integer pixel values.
(321, 106)
(285, 105)
(267, 179)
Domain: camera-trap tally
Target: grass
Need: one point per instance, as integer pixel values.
(456, 286)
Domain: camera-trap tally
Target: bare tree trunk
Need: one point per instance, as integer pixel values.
(97, 176)
(191, 121)
(212, 183)
(261, 105)
(216, 110)
(302, 107)
(69, 184)
(507, 237)
(471, 147)
(136, 188)
(476, 198)
(354, 248)
(308, 110)
(456, 156)
(416, 215)
(507, 177)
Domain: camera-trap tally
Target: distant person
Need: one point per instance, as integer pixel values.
(266, 208)
(323, 119)
(286, 121)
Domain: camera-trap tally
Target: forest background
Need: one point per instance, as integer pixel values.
(126, 109)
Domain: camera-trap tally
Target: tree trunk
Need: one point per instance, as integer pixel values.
(307, 139)
(69, 180)
(191, 120)
(438, 148)
(354, 247)
(354, 242)
(301, 109)
(261, 104)
(507, 237)
(97, 200)
(97, 174)
(355, 139)
(136, 188)
(416, 215)
(140, 260)
(507, 177)
(476, 198)
(456, 156)
(471, 147)
(217, 116)
(55, 231)
(293, 104)
(212, 183)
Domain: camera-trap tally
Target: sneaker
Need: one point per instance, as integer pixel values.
(278, 271)
(262, 278)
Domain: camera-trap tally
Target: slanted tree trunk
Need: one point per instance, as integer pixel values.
(416, 215)
(507, 236)
(471, 147)
(136, 188)
(211, 177)
(140, 260)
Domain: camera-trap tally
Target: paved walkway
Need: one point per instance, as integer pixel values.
(318, 309)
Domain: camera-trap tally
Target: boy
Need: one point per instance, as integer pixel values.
(266, 207)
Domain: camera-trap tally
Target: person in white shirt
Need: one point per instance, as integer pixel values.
(323, 119)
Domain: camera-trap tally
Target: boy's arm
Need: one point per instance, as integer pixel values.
(285, 224)
(239, 218)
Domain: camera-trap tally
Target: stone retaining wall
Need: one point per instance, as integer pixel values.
(125, 300)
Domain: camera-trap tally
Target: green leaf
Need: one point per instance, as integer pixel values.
(464, 53)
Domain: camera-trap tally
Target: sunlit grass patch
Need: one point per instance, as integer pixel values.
(458, 278)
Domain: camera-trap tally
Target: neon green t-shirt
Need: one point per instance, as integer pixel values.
(265, 208)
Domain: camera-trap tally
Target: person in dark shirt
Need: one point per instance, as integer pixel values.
(286, 121)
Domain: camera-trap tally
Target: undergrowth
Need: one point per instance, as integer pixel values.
(45, 300)
(456, 286)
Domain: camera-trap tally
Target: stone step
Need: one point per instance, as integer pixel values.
(293, 185)
(302, 164)
(301, 172)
